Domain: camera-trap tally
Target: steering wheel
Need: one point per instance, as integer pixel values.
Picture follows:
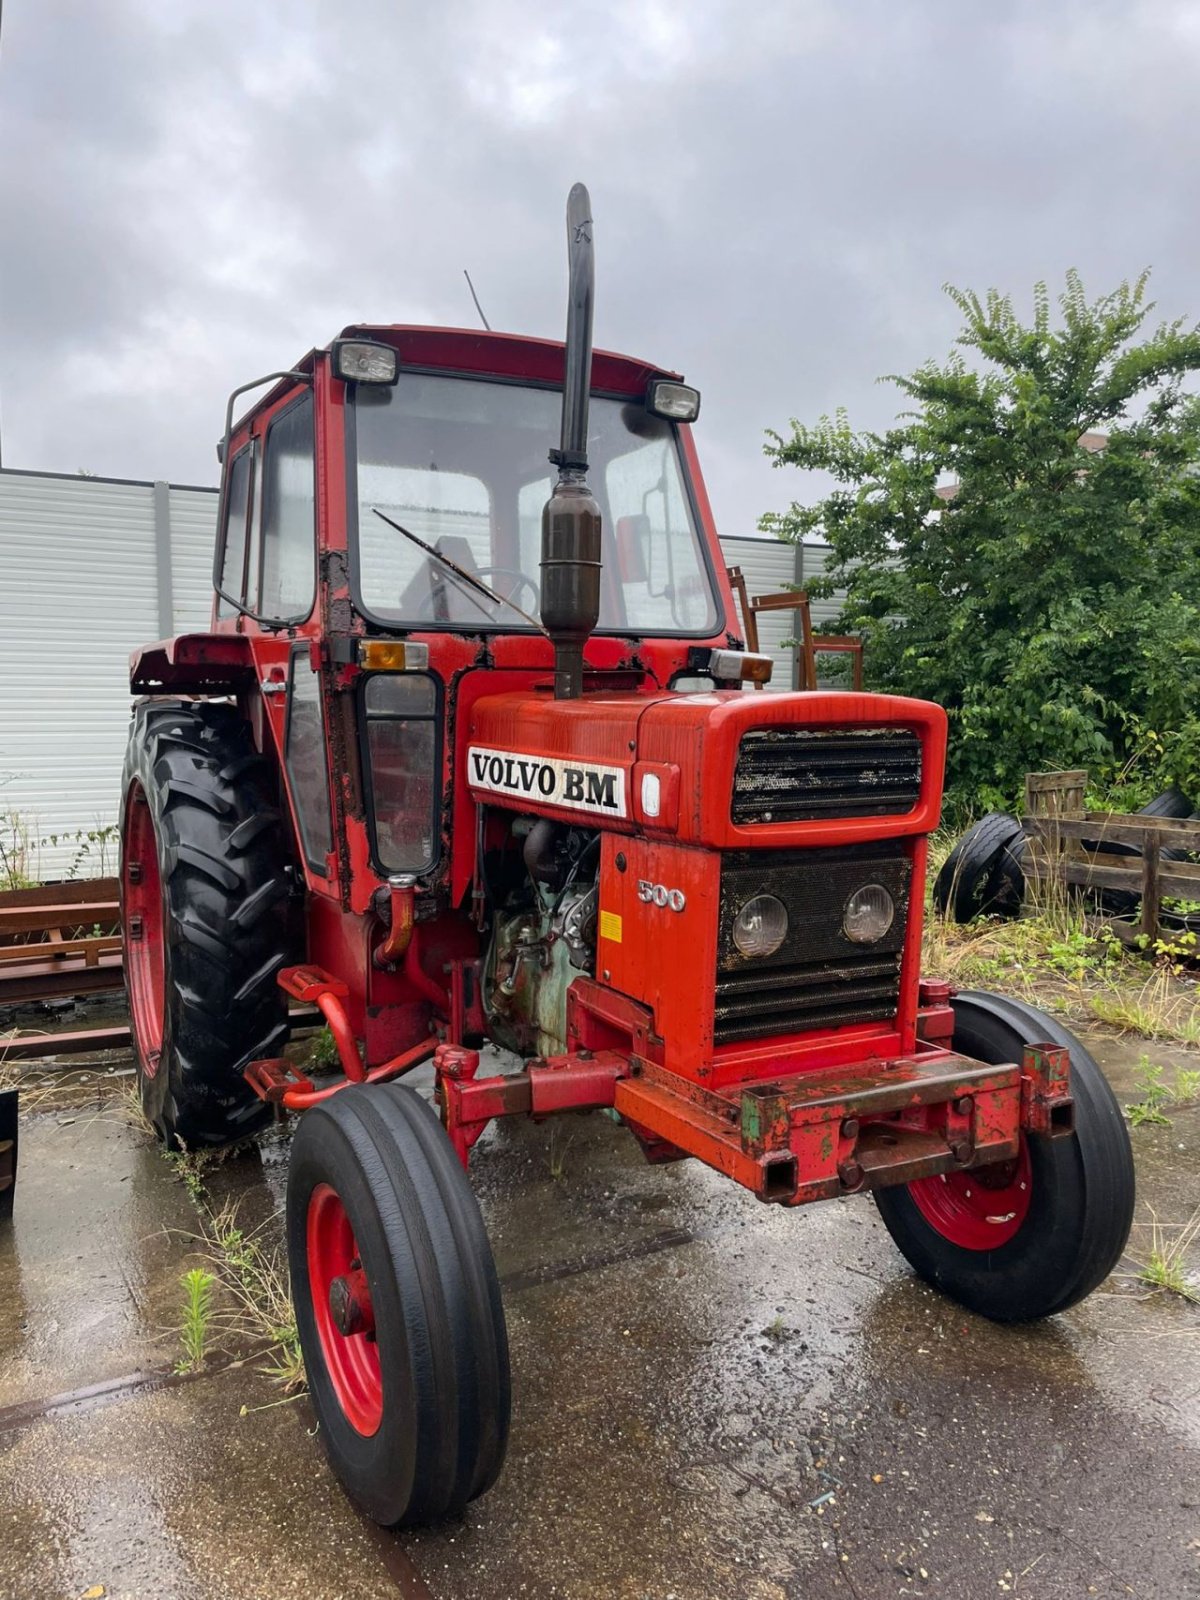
(486, 573)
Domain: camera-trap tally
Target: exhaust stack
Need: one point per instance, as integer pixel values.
(571, 516)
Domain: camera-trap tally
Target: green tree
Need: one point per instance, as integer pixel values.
(1053, 604)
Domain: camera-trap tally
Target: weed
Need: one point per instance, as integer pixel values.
(1157, 1009)
(190, 1167)
(1187, 1085)
(15, 846)
(556, 1155)
(1165, 1265)
(198, 1285)
(129, 1104)
(324, 1053)
(257, 1279)
(1175, 950)
(776, 1329)
(1148, 1076)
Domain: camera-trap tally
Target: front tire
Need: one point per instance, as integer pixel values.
(411, 1390)
(204, 930)
(1033, 1237)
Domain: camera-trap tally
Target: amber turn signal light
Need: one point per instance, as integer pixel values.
(392, 655)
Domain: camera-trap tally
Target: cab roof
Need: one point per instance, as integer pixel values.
(505, 355)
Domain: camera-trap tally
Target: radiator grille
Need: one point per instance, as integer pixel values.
(795, 774)
(815, 994)
(818, 978)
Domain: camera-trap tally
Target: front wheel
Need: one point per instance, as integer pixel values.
(397, 1306)
(1031, 1237)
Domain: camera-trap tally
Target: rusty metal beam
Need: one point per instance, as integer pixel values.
(83, 1041)
(59, 977)
(34, 1046)
(63, 914)
(69, 893)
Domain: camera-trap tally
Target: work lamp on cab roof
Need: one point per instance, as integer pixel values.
(364, 361)
(471, 758)
(677, 402)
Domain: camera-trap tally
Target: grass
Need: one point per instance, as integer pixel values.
(259, 1308)
(1164, 1268)
(557, 1150)
(240, 1295)
(324, 1051)
(198, 1285)
(189, 1167)
(1160, 1007)
(1157, 1094)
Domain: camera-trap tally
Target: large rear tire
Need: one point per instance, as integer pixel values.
(203, 891)
(411, 1386)
(1034, 1236)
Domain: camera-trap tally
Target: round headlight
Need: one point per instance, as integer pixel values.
(868, 914)
(760, 927)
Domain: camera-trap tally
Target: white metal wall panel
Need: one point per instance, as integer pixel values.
(193, 515)
(79, 591)
(768, 565)
(824, 612)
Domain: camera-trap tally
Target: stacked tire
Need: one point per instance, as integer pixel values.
(984, 874)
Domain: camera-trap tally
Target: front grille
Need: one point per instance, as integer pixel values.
(814, 994)
(818, 978)
(798, 774)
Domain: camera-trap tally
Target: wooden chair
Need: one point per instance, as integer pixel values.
(810, 645)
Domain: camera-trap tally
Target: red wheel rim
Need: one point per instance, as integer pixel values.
(145, 968)
(351, 1360)
(978, 1210)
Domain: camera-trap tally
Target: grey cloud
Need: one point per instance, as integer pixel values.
(197, 192)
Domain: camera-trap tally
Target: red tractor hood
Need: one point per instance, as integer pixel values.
(664, 764)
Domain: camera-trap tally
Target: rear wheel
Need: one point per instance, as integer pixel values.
(1029, 1237)
(397, 1306)
(203, 886)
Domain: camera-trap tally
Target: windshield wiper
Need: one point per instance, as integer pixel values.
(459, 572)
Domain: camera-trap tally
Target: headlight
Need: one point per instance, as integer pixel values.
(760, 927)
(868, 914)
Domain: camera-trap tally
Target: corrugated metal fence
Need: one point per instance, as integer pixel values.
(92, 568)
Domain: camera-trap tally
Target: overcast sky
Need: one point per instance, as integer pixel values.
(194, 191)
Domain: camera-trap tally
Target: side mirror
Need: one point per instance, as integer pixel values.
(633, 541)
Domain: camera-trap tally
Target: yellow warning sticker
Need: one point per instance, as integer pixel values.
(610, 926)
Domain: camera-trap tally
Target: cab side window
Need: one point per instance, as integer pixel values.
(237, 519)
(305, 755)
(288, 540)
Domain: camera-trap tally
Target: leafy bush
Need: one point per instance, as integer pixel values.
(1052, 604)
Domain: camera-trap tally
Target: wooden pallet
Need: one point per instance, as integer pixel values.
(1066, 846)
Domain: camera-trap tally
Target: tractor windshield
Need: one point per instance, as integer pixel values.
(461, 463)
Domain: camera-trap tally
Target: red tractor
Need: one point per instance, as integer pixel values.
(466, 757)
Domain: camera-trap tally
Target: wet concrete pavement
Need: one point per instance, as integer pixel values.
(712, 1399)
